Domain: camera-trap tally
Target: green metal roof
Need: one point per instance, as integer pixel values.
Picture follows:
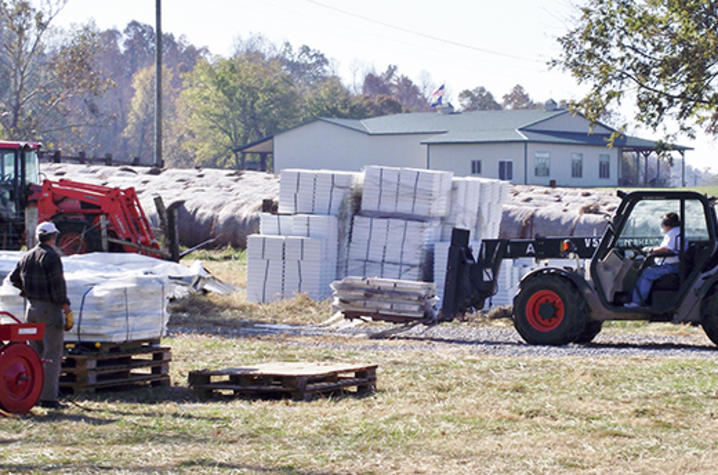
(435, 122)
(481, 127)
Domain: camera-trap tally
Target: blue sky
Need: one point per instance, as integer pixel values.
(495, 44)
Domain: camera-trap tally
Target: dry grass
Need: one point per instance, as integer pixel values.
(201, 311)
(449, 411)
(438, 409)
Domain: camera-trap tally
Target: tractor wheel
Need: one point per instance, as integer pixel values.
(21, 378)
(77, 237)
(592, 329)
(709, 314)
(549, 311)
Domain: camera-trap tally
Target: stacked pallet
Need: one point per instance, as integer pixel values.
(90, 368)
(302, 252)
(384, 299)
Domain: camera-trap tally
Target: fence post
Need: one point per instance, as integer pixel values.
(135, 161)
(172, 234)
(108, 159)
(81, 156)
(56, 157)
(103, 233)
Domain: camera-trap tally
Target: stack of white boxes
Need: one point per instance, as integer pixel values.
(409, 192)
(391, 248)
(304, 249)
(313, 191)
(405, 213)
(265, 268)
(401, 214)
(476, 204)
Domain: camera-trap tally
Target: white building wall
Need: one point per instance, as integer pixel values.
(457, 158)
(560, 165)
(323, 145)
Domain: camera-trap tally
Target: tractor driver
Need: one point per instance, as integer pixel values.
(671, 230)
(39, 276)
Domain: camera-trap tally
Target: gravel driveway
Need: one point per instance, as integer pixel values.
(481, 339)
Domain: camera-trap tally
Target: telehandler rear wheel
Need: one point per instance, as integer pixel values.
(709, 312)
(592, 329)
(549, 311)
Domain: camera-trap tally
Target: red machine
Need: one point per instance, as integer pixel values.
(89, 217)
(77, 208)
(21, 374)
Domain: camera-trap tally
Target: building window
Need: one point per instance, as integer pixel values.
(604, 166)
(506, 170)
(576, 165)
(476, 167)
(543, 164)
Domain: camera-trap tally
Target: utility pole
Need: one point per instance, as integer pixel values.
(158, 84)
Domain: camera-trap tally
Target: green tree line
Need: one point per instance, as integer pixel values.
(83, 88)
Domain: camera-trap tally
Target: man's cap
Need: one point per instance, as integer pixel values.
(47, 227)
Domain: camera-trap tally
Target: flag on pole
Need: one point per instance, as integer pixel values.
(437, 96)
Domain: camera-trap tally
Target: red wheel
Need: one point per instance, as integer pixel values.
(545, 310)
(548, 310)
(21, 378)
(72, 243)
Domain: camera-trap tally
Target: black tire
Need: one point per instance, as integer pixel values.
(77, 237)
(548, 310)
(592, 329)
(709, 314)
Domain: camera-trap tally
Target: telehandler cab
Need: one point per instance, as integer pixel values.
(557, 306)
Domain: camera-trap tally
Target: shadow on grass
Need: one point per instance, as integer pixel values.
(200, 466)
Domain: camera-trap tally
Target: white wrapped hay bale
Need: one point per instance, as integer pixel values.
(411, 192)
(314, 191)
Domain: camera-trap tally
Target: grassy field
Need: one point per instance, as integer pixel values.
(447, 411)
(437, 409)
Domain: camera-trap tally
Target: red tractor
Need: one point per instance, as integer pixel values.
(89, 217)
(21, 374)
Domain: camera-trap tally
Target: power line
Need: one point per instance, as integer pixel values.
(423, 35)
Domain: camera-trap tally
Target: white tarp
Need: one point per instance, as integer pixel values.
(115, 297)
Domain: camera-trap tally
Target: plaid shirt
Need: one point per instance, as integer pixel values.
(39, 275)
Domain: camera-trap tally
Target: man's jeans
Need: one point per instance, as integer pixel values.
(648, 277)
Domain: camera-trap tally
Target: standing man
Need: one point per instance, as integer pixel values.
(39, 276)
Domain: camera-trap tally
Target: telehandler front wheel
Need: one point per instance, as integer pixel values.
(548, 310)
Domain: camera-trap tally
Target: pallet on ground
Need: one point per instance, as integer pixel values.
(116, 367)
(301, 381)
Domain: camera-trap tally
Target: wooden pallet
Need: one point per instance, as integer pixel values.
(123, 367)
(301, 381)
(109, 347)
